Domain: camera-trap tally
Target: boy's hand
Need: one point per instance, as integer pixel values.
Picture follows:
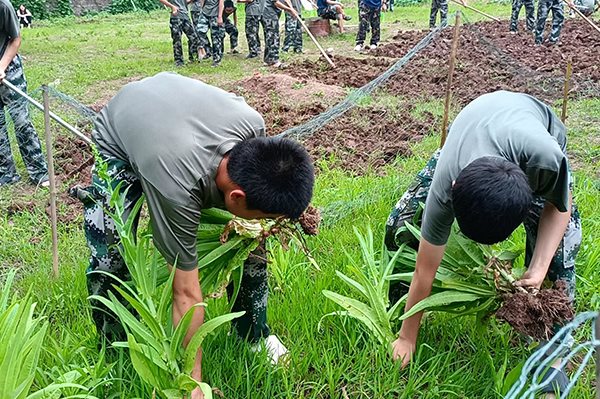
(532, 278)
(220, 20)
(2, 76)
(402, 349)
(174, 10)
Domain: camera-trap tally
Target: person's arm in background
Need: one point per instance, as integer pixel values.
(429, 258)
(235, 18)
(551, 230)
(11, 51)
(220, 16)
(173, 7)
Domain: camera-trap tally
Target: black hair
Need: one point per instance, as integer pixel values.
(276, 174)
(228, 4)
(491, 198)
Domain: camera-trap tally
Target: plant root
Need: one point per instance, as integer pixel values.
(310, 220)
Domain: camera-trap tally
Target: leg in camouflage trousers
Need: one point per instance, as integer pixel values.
(103, 240)
(27, 138)
(252, 298)
(293, 33)
(529, 14)
(217, 34)
(442, 7)
(558, 17)
(178, 27)
(251, 27)
(271, 28)
(201, 26)
(232, 31)
(368, 17)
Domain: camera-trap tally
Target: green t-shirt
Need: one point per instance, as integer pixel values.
(174, 132)
(513, 126)
(9, 25)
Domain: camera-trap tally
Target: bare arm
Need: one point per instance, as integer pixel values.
(429, 258)
(235, 17)
(220, 16)
(285, 7)
(551, 230)
(11, 51)
(187, 293)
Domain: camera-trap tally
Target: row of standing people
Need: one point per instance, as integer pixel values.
(536, 25)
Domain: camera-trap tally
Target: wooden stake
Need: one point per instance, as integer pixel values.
(309, 33)
(455, 36)
(563, 116)
(476, 10)
(589, 21)
(52, 182)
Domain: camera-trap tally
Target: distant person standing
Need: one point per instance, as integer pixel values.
(558, 18)
(254, 10)
(212, 12)
(529, 14)
(369, 15)
(24, 16)
(11, 70)
(231, 28)
(293, 28)
(201, 28)
(442, 7)
(180, 23)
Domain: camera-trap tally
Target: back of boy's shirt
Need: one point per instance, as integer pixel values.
(513, 126)
(255, 8)
(211, 8)
(270, 10)
(322, 5)
(9, 25)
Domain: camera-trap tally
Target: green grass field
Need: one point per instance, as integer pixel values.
(90, 59)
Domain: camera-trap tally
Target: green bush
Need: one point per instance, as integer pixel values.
(121, 6)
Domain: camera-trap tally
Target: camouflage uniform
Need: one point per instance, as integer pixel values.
(27, 139)
(179, 26)
(529, 11)
(251, 27)
(293, 29)
(217, 34)
(103, 241)
(368, 17)
(558, 17)
(232, 31)
(203, 41)
(442, 7)
(408, 209)
(270, 22)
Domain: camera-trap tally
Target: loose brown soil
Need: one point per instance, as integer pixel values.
(73, 159)
(537, 315)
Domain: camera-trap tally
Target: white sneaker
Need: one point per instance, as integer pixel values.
(358, 47)
(275, 349)
(373, 46)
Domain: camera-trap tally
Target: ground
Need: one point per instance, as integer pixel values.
(365, 159)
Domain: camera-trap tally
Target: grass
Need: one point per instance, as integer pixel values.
(90, 59)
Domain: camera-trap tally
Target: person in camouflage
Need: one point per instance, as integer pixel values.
(204, 158)
(504, 164)
(231, 27)
(529, 14)
(442, 7)
(200, 24)
(369, 14)
(11, 69)
(558, 18)
(270, 21)
(212, 13)
(180, 23)
(254, 11)
(293, 29)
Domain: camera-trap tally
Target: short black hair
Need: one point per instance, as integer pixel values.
(228, 4)
(276, 174)
(491, 197)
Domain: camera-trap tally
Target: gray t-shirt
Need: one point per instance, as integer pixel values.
(211, 8)
(183, 10)
(255, 8)
(9, 25)
(513, 126)
(270, 10)
(174, 132)
(196, 6)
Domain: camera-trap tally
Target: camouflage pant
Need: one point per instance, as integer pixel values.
(232, 31)
(529, 12)
(202, 37)
(217, 34)
(408, 209)
(251, 27)
(271, 27)
(558, 17)
(442, 7)
(178, 27)
(27, 139)
(103, 242)
(368, 17)
(293, 33)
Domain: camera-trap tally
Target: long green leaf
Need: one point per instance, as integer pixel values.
(440, 299)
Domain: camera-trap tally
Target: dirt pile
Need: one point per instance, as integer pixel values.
(537, 315)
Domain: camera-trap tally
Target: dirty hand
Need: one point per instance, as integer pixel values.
(532, 279)
(402, 349)
(174, 10)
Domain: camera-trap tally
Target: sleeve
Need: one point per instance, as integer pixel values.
(551, 183)
(174, 227)
(437, 220)
(10, 22)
